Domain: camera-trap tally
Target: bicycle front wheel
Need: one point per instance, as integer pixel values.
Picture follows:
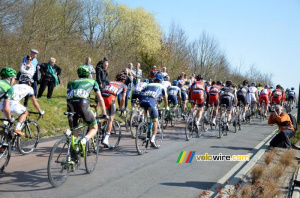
(91, 154)
(115, 134)
(189, 128)
(58, 166)
(29, 141)
(141, 138)
(5, 150)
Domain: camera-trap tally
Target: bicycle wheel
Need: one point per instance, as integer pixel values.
(115, 134)
(205, 122)
(134, 123)
(58, 167)
(29, 141)
(159, 136)
(141, 138)
(91, 154)
(5, 150)
(173, 119)
(189, 128)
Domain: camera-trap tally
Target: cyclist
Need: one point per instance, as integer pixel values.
(226, 97)
(20, 92)
(259, 88)
(8, 76)
(109, 93)
(207, 88)
(148, 101)
(197, 96)
(242, 95)
(253, 96)
(184, 96)
(174, 92)
(277, 96)
(271, 88)
(214, 93)
(137, 90)
(78, 100)
(291, 96)
(264, 96)
(166, 82)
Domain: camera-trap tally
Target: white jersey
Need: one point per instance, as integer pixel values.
(164, 74)
(166, 84)
(264, 92)
(252, 95)
(20, 91)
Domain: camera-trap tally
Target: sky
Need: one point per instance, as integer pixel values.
(265, 33)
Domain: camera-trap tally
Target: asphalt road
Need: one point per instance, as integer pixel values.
(124, 173)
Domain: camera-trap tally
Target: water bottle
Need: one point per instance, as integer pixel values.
(75, 144)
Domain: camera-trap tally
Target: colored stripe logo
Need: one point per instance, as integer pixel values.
(189, 158)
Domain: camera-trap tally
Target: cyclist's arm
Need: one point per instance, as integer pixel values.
(6, 109)
(101, 102)
(122, 99)
(36, 104)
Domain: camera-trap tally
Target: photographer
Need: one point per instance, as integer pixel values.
(282, 119)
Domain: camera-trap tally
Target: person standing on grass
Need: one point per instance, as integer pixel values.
(102, 76)
(50, 72)
(88, 61)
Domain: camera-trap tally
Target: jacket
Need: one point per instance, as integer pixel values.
(46, 74)
(102, 77)
(283, 121)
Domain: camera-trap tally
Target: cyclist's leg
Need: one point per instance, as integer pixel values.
(17, 108)
(111, 113)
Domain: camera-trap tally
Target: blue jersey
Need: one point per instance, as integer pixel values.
(174, 91)
(153, 90)
(291, 93)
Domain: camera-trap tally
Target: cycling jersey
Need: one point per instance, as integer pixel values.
(214, 93)
(277, 96)
(184, 90)
(137, 90)
(148, 97)
(227, 95)
(252, 94)
(81, 88)
(259, 90)
(291, 95)
(110, 92)
(264, 96)
(173, 92)
(6, 90)
(242, 93)
(197, 94)
(166, 84)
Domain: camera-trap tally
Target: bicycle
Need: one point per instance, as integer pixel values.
(186, 112)
(144, 133)
(207, 118)
(136, 116)
(223, 120)
(115, 134)
(237, 123)
(171, 116)
(9, 141)
(191, 128)
(65, 156)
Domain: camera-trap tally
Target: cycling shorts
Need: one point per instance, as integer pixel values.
(242, 99)
(83, 110)
(15, 108)
(214, 100)
(173, 100)
(183, 96)
(197, 98)
(263, 97)
(276, 100)
(227, 100)
(149, 104)
(109, 101)
(251, 98)
(291, 98)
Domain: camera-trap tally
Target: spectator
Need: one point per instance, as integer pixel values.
(164, 72)
(102, 77)
(50, 72)
(127, 82)
(153, 72)
(88, 61)
(282, 119)
(26, 69)
(132, 75)
(138, 74)
(182, 79)
(33, 53)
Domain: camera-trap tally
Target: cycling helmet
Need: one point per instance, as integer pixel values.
(228, 83)
(146, 81)
(219, 82)
(175, 82)
(207, 83)
(7, 72)
(292, 88)
(199, 77)
(278, 86)
(245, 82)
(121, 77)
(25, 79)
(267, 86)
(159, 77)
(83, 70)
(259, 85)
(253, 84)
(187, 82)
(213, 82)
(166, 78)
(271, 87)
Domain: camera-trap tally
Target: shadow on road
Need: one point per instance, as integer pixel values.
(233, 148)
(192, 184)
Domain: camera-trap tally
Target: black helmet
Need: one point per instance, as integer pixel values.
(278, 86)
(219, 82)
(199, 77)
(245, 82)
(228, 83)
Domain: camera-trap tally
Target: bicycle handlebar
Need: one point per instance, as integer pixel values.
(40, 115)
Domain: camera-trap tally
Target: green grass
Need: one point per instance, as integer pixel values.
(296, 139)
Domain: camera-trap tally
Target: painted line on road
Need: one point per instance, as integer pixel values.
(238, 176)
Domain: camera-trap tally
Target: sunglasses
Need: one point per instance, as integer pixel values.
(29, 59)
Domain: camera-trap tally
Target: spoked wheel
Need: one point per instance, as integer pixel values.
(5, 150)
(115, 134)
(141, 138)
(29, 141)
(235, 125)
(189, 128)
(173, 119)
(220, 128)
(134, 123)
(91, 154)
(205, 123)
(58, 167)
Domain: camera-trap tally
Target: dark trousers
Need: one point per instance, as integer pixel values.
(43, 86)
(282, 139)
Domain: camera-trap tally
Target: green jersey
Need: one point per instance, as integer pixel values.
(6, 90)
(81, 88)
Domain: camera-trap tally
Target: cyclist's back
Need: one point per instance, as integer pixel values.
(173, 92)
(277, 95)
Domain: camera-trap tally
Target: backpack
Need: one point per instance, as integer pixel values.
(294, 122)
